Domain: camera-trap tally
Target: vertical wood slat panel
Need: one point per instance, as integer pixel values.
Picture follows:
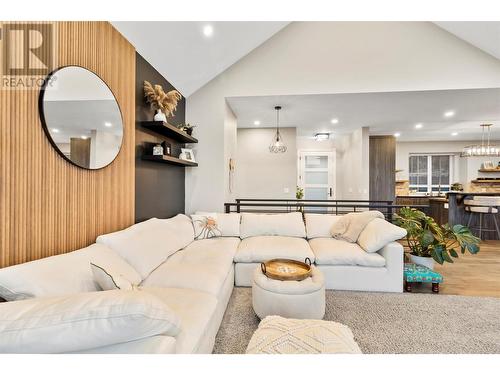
(47, 205)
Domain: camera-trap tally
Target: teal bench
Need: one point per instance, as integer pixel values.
(415, 273)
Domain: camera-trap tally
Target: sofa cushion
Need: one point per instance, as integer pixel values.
(262, 248)
(147, 245)
(197, 310)
(83, 321)
(61, 274)
(228, 224)
(329, 251)
(379, 233)
(289, 224)
(320, 225)
(350, 226)
(203, 265)
(109, 279)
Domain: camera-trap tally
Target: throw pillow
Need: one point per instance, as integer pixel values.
(379, 233)
(109, 280)
(205, 226)
(228, 224)
(350, 226)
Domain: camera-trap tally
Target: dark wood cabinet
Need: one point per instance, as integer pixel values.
(382, 167)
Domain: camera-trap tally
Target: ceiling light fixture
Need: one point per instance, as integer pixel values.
(108, 124)
(449, 114)
(397, 135)
(419, 125)
(256, 122)
(208, 30)
(454, 134)
(335, 121)
(322, 136)
(54, 130)
(485, 149)
(83, 137)
(277, 146)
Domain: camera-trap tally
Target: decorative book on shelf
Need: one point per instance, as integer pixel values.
(170, 131)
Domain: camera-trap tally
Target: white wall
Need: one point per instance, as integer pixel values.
(325, 58)
(230, 148)
(352, 175)
(261, 174)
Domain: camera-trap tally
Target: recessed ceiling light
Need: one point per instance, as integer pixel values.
(335, 121)
(208, 30)
(108, 124)
(256, 122)
(54, 130)
(83, 137)
(397, 135)
(419, 125)
(322, 136)
(454, 133)
(449, 114)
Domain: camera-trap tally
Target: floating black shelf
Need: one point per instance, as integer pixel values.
(168, 130)
(169, 160)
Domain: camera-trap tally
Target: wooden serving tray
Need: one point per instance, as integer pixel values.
(286, 269)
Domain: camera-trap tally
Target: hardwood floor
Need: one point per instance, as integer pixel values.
(471, 275)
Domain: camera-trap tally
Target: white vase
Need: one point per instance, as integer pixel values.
(160, 116)
(423, 261)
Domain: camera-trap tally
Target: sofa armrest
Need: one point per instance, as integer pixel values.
(393, 253)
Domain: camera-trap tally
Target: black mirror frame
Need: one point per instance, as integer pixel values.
(46, 128)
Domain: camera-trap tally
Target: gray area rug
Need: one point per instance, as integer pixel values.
(387, 322)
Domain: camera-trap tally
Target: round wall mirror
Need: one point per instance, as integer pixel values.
(81, 117)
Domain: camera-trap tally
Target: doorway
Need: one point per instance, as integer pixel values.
(316, 174)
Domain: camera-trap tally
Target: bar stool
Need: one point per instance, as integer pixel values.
(483, 205)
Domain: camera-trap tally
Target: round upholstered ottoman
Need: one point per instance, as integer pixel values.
(290, 299)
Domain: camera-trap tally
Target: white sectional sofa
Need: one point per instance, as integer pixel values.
(193, 278)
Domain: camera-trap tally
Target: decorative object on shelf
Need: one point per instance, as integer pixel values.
(457, 186)
(164, 103)
(277, 146)
(487, 165)
(485, 148)
(427, 239)
(158, 150)
(167, 148)
(415, 273)
(188, 128)
(299, 193)
(187, 154)
(160, 116)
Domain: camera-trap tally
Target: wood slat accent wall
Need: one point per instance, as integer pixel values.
(47, 205)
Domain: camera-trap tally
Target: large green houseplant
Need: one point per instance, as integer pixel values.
(429, 240)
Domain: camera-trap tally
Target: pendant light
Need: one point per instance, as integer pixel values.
(485, 149)
(277, 145)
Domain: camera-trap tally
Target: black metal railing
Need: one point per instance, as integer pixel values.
(337, 207)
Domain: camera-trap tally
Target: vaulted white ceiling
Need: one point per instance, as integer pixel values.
(182, 53)
(188, 59)
(483, 35)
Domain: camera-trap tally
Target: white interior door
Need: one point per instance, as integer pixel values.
(317, 174)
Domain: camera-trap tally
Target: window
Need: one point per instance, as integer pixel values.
(430, 173)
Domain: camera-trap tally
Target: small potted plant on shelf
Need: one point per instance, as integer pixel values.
(299, 193)
(188, 128)
(430, 242)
